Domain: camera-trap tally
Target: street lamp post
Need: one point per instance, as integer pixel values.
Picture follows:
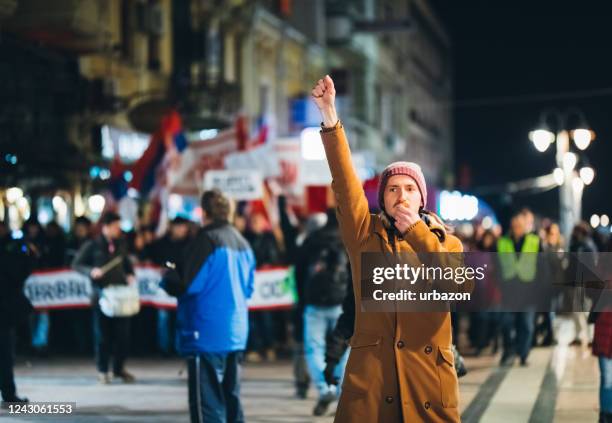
(571, 182)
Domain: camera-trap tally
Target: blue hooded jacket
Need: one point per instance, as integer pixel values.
(212, 285)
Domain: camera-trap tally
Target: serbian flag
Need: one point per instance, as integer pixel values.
(245, 140)
(168, 139)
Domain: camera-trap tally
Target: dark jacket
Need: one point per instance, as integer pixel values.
(96, 253)
(16, 266)
(166, 249)
(337, 340)
(264, 247)
(321, 267)
(73, 246)
(212, 282)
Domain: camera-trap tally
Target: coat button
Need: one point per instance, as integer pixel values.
(427, 405)
(400, 344)
(428, 349)
(389, 400)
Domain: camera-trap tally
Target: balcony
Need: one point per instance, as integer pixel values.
(80, 26)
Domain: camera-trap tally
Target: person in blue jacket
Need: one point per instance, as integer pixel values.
(212, 282)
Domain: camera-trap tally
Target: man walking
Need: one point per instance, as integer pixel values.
(213, 281)
(518, 262)
(105, 260)
(323, 278)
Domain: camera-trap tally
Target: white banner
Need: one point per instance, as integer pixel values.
(236, 184)
(199, 157)
(274, 288)
(62, 288)
(262, 158)
(66, 288)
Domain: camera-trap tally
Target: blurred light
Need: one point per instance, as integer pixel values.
(128, 176)
(128, 145)
(604, 220)
(455, 206)
(105, 174)
(559, 175)
(24, 207)
(577, 184)
(542, 138)
(94, 172)
(13, 215)
(569, 161)
(487, 223)
(96, 203)
(582, 138)
(206, 134)
(133, 193)
(311, 144)
(594, 221)
(175, 202)
(126, 226)
(13, 194)
(10, 159)
(17, 234)
(466, 229)
(587, 174)
(44, 216)
(58, 202)
(79, 205)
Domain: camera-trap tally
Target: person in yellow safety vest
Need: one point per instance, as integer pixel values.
(517, 256)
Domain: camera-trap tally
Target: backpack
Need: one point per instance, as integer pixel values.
(327, 275)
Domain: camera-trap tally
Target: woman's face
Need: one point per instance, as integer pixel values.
(401, 189)
(554, 234)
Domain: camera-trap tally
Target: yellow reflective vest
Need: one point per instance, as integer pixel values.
(521, 266)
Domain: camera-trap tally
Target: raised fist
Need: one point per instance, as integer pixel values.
(324, 93)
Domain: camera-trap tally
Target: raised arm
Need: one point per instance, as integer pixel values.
(351, 203)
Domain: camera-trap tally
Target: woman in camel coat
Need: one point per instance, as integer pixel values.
(401, 366)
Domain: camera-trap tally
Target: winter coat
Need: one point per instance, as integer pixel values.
(401, 365)
(166, 249)
(327, 286)
(96, 253)
(16, 265)
(212, 282)
(264, 247)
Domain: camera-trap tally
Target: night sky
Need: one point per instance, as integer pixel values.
(505, 54)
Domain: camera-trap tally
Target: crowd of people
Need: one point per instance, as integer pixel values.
(210, 266)
(519, 331)
(313, 245)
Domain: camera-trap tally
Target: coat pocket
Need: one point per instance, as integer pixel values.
(363, 364)
(449, 385)
(362, 339)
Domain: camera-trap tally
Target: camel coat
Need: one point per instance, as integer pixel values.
(401, 367)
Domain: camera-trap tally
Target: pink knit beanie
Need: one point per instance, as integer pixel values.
(402, 168)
